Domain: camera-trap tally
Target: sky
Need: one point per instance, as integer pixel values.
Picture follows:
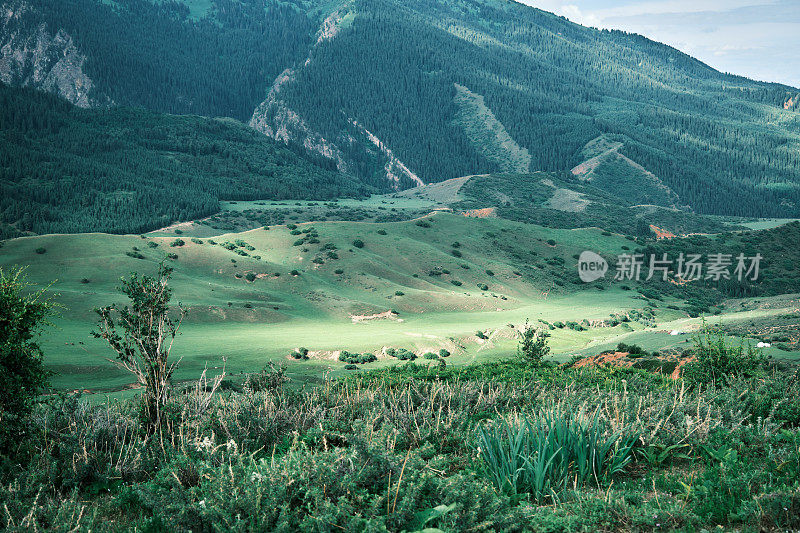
(759, 39)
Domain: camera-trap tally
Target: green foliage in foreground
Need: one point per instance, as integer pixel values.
(551, 451)
(397, 449)
(22, 372)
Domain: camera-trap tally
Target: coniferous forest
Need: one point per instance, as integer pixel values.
(720, 144)
(125, 170)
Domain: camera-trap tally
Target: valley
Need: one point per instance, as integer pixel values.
(258, 295)
(413, 266)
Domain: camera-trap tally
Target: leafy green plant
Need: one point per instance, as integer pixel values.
(22, 316)
(717, 361)
(656, 455)
(533, 345)
(142, 335)
(552, 450)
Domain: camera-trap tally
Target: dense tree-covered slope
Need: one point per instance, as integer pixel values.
(424, 76)
(122, 170)
(402, 92)
(213, 58)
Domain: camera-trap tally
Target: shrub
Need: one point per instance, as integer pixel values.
(483, 286)
(300, 353)
(489, 272)
(367, 358)
(22, 315)
(481, 335)
(250, 276)
(152, 244)
(177, 242)
(196, 240)
(399, 293)
(423, 223)
(633, 349)
(40, 250)
(430, 355)
(401, 354)
(295, 272)
(456, 245)
(135, 254)
(444, 353)
(271, 378)
(551, 242)
(298, 242)
(533, 345)
(172, 256)
(455, 282)
(718, 362)
(456, 253)
(85, 280)
(142, 335)
(178, 232)
(338, 271)
(358, 243)
(381, 232)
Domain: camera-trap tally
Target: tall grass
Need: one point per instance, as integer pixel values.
(552, 450)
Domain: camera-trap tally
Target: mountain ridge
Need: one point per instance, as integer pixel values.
(378, 88)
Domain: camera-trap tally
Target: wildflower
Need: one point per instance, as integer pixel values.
(205, 444)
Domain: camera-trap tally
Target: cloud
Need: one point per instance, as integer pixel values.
(754, 38)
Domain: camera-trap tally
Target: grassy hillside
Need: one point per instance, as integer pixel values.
(121, 170)
(448, 281)
(570, 201)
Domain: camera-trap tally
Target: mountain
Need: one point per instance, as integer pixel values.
(399, 93)
(64, 169)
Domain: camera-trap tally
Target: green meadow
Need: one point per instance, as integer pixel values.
(444, 277)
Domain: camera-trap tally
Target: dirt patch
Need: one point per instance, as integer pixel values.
(486, 212)
(662, 233)
(670, 365)
(386, 315)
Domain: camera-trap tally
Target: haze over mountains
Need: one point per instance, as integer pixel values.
(393, 94)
